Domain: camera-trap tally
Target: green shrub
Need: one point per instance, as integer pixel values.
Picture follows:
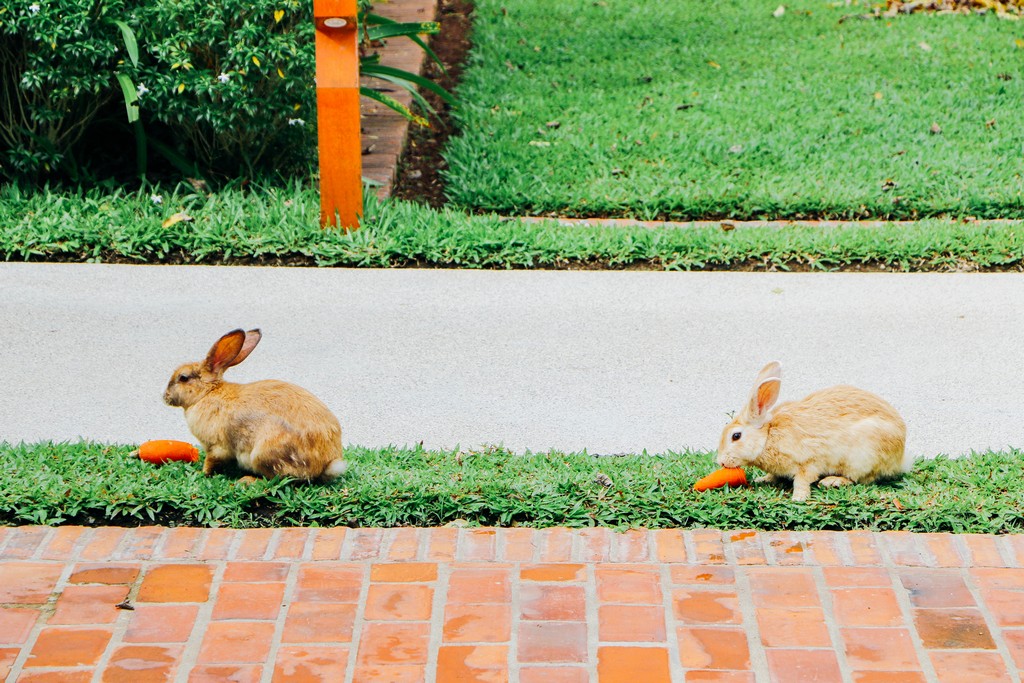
(58, 60)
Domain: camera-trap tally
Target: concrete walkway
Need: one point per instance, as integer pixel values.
(550, 606)
(608, 361)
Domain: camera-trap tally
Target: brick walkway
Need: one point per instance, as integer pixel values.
(512, 604)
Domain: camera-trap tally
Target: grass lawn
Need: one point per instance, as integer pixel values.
(89, 483)
(660, 109)
(279, 225)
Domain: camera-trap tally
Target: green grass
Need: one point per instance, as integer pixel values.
(88, 483)
(280, 226)
(691, 110)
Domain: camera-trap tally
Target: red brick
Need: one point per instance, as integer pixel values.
(406, 572)
(1015, 643)
(8, 655)
(399, 602)
(142, 664)
(787, 548)
(519, 544)
(88, 605)
(631, 664)
(553, 674)
(945, 549)
(62, 544)
(483, 663)
(552, 572)
(552, 602)
(319, 622)
(880, 649)
(217, 544)
(102, 543)
(248, 601)
(783, 587)
(888, 677)
(391, 643)
(953, 629)
(256, 572)
(746, 547)
(556, 545)
(632, 546)
(806, 666)
(633, 585)
(843, 577)
(866, 607)
(329, 582)
(827, 548)
(105, 573)
(364, 544)
(255, 544)
(443, 543)
(56, 676)
(477, 545)
(708, 546)
(936, 588)
(969, 667)
(23, 542)
(631, 623)
(477, 623)
(552, 642)
(236, 641)
(706, 607)
(391, 673)
(139, 543)
(983, 550)
(708, 676)
(16, 624)
(782, 627)
(161, 623)
(402, 543)
(219, 673)
(699, 575)
(904, 549)
(27, 583)
(479, 586)
(862, 546)
(670, 544)
(291, 543)
(327, 543)
(596, 544)
(304, 664)
(63, 646)
(181, 543)
(176, 583)
(713, 648)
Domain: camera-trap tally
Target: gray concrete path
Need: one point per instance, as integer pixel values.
(608, 361)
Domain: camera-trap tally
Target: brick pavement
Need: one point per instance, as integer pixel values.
(525, 605)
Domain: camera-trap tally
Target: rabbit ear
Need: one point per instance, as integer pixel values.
(223, 353)
(764, 396)
(252, 338)
(772, 370)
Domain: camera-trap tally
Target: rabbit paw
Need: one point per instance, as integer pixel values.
(834, 482)
(768, 479)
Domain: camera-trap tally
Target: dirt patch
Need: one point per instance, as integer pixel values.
(419, 169)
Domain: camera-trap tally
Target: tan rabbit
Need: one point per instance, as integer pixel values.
(269, 427)
(844, 434)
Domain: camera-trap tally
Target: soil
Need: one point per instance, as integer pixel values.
(419, 170)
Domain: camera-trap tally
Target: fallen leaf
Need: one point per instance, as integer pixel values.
(888, 185)
(278, 14)
(935, 129)
(896, 502)
(714, 65)
(779, 11)
(727, 226)
(176, 218)
(991, 123)
(736, 149)
(553, 124)
(1019, 43)
(603, 479)
(878, 95)
(925, 46)
(540, 143)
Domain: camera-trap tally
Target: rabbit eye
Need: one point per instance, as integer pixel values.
(183, 378)
(735, 436)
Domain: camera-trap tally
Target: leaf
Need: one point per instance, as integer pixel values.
(130, 43)
(278, 14)
(779, 11)
(714, 65)
(280, 73)
(255, 60)
(131, 97)
(181, 88)
(935, 129)
(925, 46)
(176, 218)
(878, 95)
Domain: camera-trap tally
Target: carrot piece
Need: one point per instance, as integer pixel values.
(161, 451)
(725, 476)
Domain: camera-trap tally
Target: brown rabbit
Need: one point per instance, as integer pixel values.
(842, 433)
(268, 427)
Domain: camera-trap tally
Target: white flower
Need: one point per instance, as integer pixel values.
(142, 90)
(156, 199)
(296, 122)
(223, 78)
(34, 8)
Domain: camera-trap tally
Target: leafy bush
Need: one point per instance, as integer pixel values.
(58, 60)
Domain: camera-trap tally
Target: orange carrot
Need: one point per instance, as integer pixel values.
(725, 476)
(161, 451)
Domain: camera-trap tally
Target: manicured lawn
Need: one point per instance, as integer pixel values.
(688, 110)
(90, 483)
(280, 226)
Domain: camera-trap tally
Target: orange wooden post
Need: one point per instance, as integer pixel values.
(337, 107)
